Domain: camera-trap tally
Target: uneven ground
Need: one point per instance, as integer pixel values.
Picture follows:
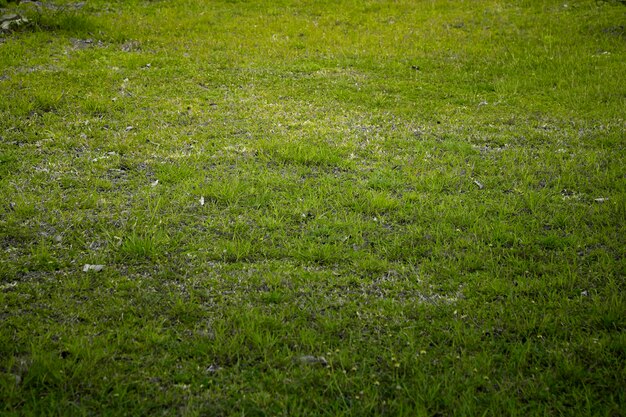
(354, 208)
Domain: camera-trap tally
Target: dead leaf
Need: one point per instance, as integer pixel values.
(313, 360)
(9, 22)
(96, 268)
(213, 369)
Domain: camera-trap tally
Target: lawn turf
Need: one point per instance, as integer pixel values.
(402, 208)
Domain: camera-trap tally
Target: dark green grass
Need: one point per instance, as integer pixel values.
(428, 195)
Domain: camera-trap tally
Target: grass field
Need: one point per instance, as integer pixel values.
(339, 208)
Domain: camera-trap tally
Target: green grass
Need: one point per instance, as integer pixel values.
(354, 208)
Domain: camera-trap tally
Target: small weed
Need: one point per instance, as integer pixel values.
(42, 257)
(144, 245)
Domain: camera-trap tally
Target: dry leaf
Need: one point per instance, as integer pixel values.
(213, 369)
(96, 268)
(313, 360)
